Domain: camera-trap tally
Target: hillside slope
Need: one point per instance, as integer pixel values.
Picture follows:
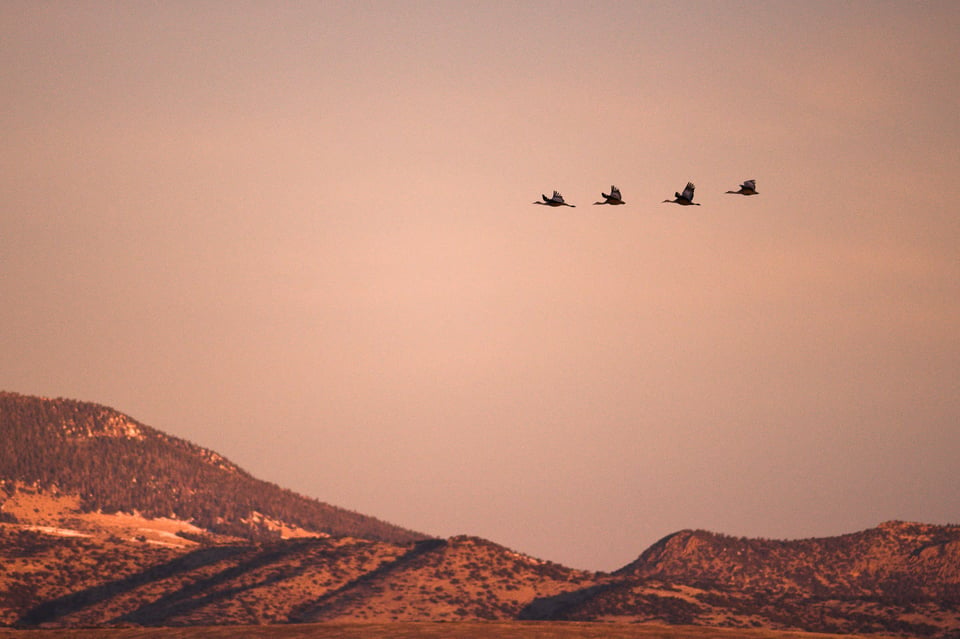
(53, 577)
(898, 578)
(114, 463)
(58, 581)
(895, 560)
(105, 521)
(446, 580)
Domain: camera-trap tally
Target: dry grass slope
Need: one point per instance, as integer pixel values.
(470, 630)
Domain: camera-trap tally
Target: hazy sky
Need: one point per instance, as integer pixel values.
(302, 235)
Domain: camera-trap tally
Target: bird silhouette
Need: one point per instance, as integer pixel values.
(749, 187)
(685, 198)
(556, 200)
(612, 198)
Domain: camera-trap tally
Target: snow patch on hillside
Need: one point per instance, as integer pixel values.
(286, 530)
(57, 532)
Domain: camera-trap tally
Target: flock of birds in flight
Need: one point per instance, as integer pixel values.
(749, 187)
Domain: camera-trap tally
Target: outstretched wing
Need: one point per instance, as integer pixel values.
(615, 193)
(688, 192)
(557, 197)
(749, 185)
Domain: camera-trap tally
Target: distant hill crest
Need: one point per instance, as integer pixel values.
(116, 464)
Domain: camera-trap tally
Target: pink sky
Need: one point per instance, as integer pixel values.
(301, 234)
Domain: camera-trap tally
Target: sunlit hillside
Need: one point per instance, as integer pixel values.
(107, 523)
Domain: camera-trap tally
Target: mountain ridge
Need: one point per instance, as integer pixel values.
(83, 544)
(877, 561)
(115, 463)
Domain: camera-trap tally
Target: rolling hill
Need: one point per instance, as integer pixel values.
(107, 522)
(897, 578)
(116, 464)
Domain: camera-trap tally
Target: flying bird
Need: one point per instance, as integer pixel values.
(685, 198)
(556, 200)
(749, 187)
(612, 198)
